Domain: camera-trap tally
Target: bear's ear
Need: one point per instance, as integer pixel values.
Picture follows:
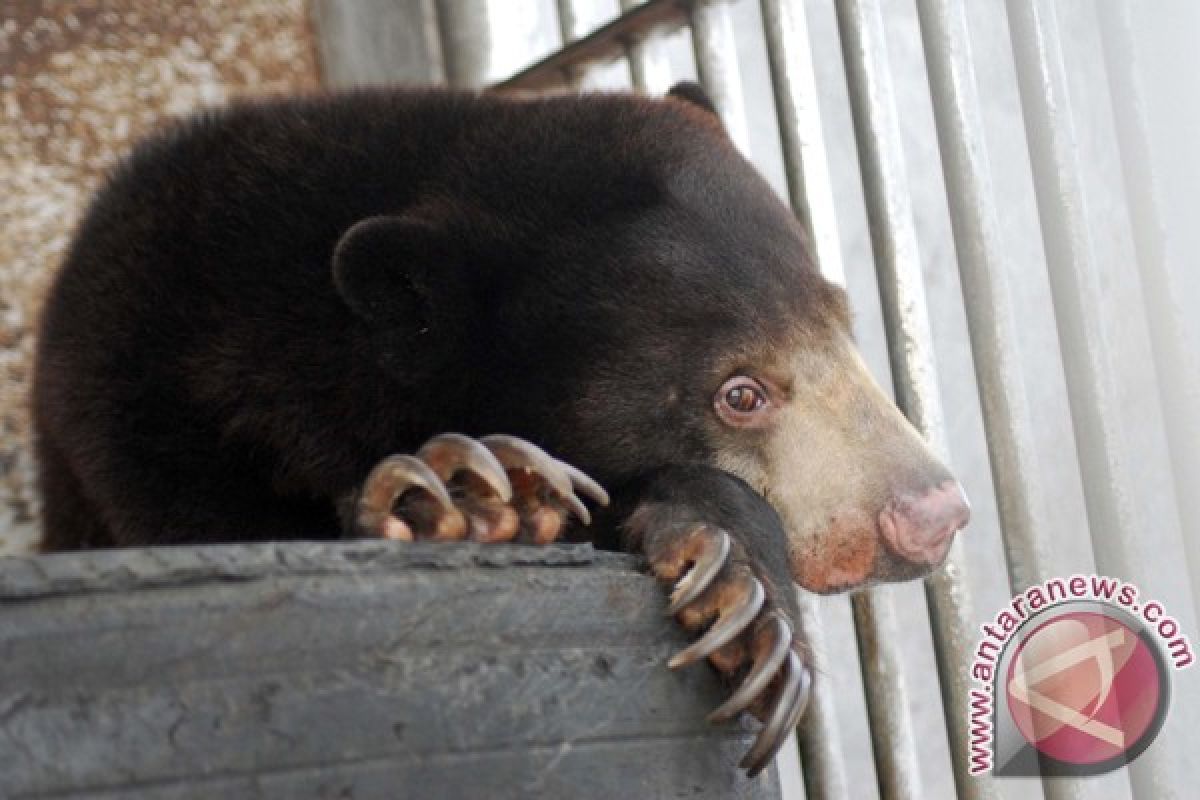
(385, 269)
(692, 92)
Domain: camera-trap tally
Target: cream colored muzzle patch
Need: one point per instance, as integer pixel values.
(837, 452)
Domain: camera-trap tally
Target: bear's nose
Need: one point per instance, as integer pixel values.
(920, 527)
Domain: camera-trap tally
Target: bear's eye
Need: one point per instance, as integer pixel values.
(741, 401)
(744, 399)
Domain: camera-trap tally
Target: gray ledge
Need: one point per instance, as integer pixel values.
(353, 669)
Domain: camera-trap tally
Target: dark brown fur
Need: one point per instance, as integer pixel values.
(588, 264)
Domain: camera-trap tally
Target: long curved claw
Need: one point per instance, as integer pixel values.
(716, 582)
(802, 699)
(713, 552)
(498, 489)
(448, 453)
(732, 621)
(576, 507)
(775, 637)
(514, 453)
(793, 698)
(518, 454)
(583, 483)
(391, 478)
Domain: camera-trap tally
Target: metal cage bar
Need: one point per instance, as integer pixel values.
(646, 67)
(794, 86)
(843, 740)
(898, 261)
(785, 34)
(1014, 341)
(717, 65)
(607, 42)
(1156, 130)
(466, 38)
(1111, 376)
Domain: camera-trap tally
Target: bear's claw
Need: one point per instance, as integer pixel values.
(771, 644)
(709, 586)
(519, 455)
(712, 551)
(496, 489)
(582, 482)
(789, 707)
(450, 453)
(735, 611)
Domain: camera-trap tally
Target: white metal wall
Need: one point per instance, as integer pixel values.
(1008, 191)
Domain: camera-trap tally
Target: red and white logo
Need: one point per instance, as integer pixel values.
(1084, 688)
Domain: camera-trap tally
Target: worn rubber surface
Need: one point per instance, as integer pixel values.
(353, 670)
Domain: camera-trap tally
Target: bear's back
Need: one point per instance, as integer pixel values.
(195, 334)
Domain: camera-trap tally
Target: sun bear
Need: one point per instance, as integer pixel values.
(424, 314)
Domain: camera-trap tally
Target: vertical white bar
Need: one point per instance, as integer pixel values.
(893, 630)
(578, 18)
(568, 27)
(657, 61)
(1148, 52)
(835, 737)
(717, 65)
(793, 80)
(466, 41)
(897, 763)
(940, 727)
(487, 40)
(377, 41)
(822, 735)
(1010, 313)
(791, 777)
(762, 119)
(645, 66)
(1013, 337)
(715, 48)
(1109, 359)
(898, 260)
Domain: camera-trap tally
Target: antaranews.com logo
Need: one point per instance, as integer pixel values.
(1073, 679)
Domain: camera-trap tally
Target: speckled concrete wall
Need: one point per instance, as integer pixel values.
(78, 82)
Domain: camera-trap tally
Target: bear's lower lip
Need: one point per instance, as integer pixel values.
(840, 580)
(891, 570)
(852, 563)
(863, 559)
(840, 588)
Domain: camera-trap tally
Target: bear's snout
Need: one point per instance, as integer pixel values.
(919, 527)
(862, 496)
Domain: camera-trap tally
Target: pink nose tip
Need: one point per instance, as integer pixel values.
(920, 527)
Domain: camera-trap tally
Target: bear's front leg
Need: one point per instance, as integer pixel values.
(495, 489)
(722, 548)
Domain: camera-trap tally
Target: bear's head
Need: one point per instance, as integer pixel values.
(608, 277)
